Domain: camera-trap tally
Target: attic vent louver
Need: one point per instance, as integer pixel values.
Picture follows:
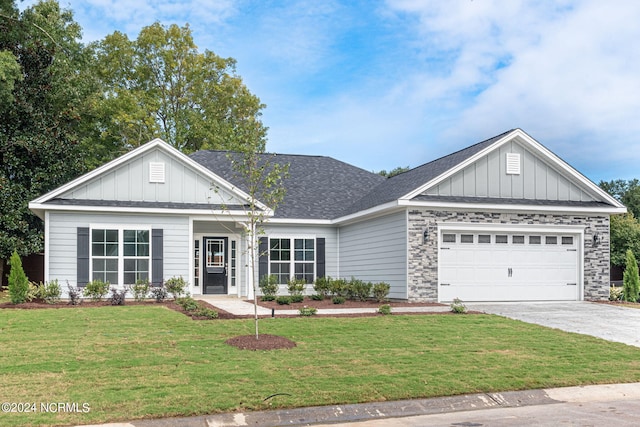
(156, 172)
(513, 164)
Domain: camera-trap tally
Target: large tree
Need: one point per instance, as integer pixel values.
(625, 229)
(44, 93)
(159, 85)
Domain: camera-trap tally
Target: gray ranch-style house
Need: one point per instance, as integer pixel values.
(502, 220)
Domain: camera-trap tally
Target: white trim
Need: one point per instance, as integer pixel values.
(510, 207)
(527, 140)
(47, 235)
(408, 254)
(380, 209)
(156, 143)
(301, 221)
(141, 210)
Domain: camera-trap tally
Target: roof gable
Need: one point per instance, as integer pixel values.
(128, 181)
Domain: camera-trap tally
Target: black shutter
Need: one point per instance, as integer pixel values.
(82, 266)
(320, 258)
(263, 257)
(157, 257)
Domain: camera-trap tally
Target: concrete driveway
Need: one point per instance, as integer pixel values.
(609, 322)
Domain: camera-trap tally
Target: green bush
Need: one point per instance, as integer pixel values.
(140, 290)
(358, 289)
(458, 307)
(207, 312)
(381, 291)
(339, 288)
(176, 286)
(96, 290)
(317, 297)
(269, 287)
(630, 279)
(296, 286)
(18, 282)
(297, 298)
(283, 300)
(308, 311)
(50, 292)
(34, 291)
(339, 300)
(188, 303)
(322, 286)
(384, 309)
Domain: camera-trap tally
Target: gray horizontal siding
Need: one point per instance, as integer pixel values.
(62, 251)
(376, 251)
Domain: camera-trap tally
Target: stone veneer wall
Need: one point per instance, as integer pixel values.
(423, 257)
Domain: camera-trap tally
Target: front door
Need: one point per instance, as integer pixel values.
(215, 265)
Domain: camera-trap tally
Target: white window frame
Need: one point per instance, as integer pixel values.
(292, 261)
(120, 257)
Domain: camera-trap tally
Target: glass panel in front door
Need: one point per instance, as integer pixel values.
(215, 253)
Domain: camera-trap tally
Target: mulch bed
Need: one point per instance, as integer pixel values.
(328, 303)
(264, 342)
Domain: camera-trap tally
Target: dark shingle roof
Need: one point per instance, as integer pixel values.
(404, 183)
(317, 187)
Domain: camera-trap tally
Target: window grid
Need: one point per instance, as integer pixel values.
(300, 266)
(120, 256)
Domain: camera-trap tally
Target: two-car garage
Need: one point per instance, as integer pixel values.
(509, 264)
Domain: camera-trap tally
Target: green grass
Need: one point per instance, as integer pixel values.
(137, 362)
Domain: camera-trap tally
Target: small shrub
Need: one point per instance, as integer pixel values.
(269, 287)
(34, 292)
(75, 295)
(339, 300)
(117, 296)
(207, 312)
(381, 291)
(317, 297)
(283, 300)
(358, 289)
(630, 278)
(384, 309)
(322, 286)
(339, 287)
(159, 293)
(50, 292)
(176, 286)
(140, 290)
(188, 303)
(457, 306)
(96, 290)
(616, 293)
(18, 282)
(308, 311)
(296, 286)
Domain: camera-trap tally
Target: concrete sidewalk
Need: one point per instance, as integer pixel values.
(240, 307)
(403, 408)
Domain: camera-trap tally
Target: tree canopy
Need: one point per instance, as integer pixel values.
(160, 85)
(625, 229)
(44, 96)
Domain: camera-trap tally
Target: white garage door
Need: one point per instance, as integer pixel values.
(483, 266)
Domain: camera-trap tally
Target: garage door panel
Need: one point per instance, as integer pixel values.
(510, 271)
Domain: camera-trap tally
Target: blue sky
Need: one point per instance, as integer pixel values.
(381, 84)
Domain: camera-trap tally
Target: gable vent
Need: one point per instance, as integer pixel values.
(513, 163)
(156, 172)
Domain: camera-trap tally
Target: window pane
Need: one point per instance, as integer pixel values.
(484, 238)
(112, 236)
(97, 249)
(111, 249)
(449, 238)
(97, 235)
(535, 240)
(567, 240)
(551, 240)
(129, 236)
(518, 240)
(502, 239)
(129, 249)
(466, 238)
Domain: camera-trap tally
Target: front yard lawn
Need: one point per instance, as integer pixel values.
(140, 361)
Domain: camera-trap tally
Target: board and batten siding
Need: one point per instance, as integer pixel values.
(487, 177)
(375, 250)
(62, 241)
(182, 183)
